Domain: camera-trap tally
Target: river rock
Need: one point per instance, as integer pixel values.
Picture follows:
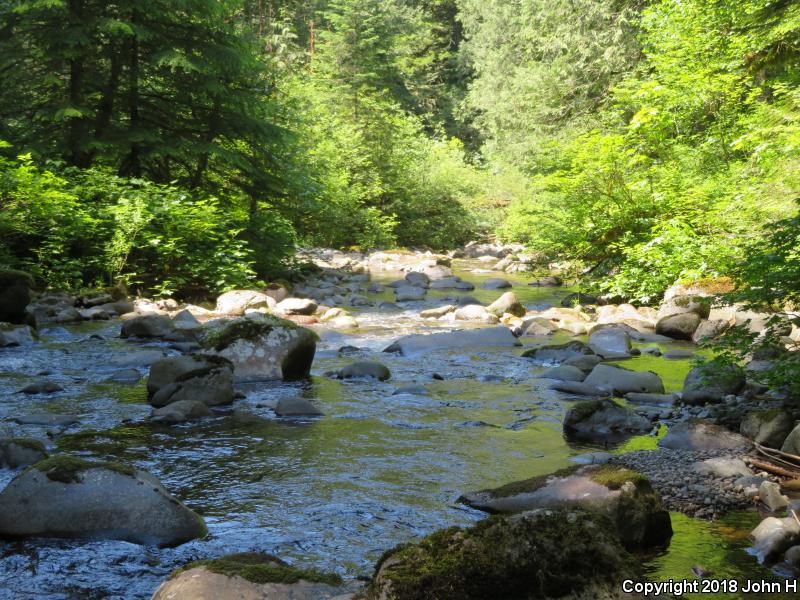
(148, 326)
(495, 283)
(277, 291)
(186, 321)
(568, 554)
(409, 293)
(620, 381)
(792, 442)
(417, 279)
(15, 294)
(699, 436)
(435, 313)
(722, 467)
(97, 313)
(418, 343)
(564, 373)
(296, 306)
(792, 556)
(249, 576)
(610, 342)
(69, 314)
(678, 327)
(412, 389)
(710, 329)
(585, 362)
(768, 428)
(296, 407)
(20, 452)
(685, 304)
(204, 378)
(16, 335)
(625, 496)
(558, 353)
(181, 411)
(578, 388)
(64, 496)
(599, 418)
(264, 348)
(474, 312)
(651, 399)
(507, 303)
(44, 386)
(770, 494)
(711, 383)
(772, 538)
(359, 370)
(550, 281)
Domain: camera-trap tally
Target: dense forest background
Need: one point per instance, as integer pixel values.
(187, 146)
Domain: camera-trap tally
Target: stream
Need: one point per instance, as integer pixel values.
(333, 492)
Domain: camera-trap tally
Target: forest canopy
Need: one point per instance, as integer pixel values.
(187, 147)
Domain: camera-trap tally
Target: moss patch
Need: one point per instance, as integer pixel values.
(247, 329)
(261, 568)
(529, 485)
(67, 468)
(614, 477)
(543, 554)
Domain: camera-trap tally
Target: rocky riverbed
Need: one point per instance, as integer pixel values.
(380, 460)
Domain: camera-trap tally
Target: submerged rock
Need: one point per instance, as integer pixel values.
(250, 576)
(495, 283)
(44, 386)
(623, 495)
(296, 407)
(467, 338)
(597, 418)
(64, 496)
(181, 411)
(264, 348)
(206, 379)
(21, 452)
(357, 370)
(537, 554)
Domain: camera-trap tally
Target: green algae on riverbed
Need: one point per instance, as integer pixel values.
(719, 547)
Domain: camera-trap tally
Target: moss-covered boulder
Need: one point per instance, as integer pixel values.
(710, 383)
(617, 380)
(199, 378)
(264, 347)
(15, 295)
(507, 303)
(20, 452)
(65, 496)
(624, 496)
(249, 576)
(538, 554)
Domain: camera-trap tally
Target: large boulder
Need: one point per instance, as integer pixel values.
(711, 383)
(20, 452)
(699, 436)
(204, 378)
(710, 329)
(678, 327)
(602, 418)
(418, 279)
(249, 576)
(409, 293)
(474, 312)
(558, 353)
(768, 427)
(235, 302)
(181, 411)
(148, 326)
(620, 381)
(539, 554)
(622, 495)
(264, 348)
(507, 303)
(610, 342)
(64, 496)
(15, 294)
(685, 304)
(773, 537)
(564, 373)
(16, 335)
(419, 343)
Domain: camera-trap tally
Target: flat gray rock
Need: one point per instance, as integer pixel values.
(466, 338)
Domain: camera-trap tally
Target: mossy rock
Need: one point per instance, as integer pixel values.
(246, 329)
(18, 452)
(538, 554)
(15, 295)
(261, 568)
(67, 468)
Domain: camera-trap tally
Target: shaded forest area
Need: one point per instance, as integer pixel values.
(186, 147)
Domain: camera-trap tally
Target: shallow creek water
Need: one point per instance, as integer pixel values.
(334, 492)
